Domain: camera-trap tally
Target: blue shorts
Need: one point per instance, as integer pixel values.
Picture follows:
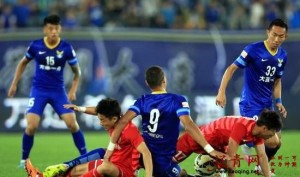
(163, 166)
(252, 113)
(39, 97)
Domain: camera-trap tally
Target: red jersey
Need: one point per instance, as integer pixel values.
(218, 132)
(125, 154)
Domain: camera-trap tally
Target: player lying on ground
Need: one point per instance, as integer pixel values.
(230, 132)
(124, 160)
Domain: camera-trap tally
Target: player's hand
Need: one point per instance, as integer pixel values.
(282, 109)
(219, 155)
(72, 96)
(71, 106)
(221, 99)
(12, 91)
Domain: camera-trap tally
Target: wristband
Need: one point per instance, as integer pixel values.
(278, 100)
(111, 146)
(81, 109)
(208, 148)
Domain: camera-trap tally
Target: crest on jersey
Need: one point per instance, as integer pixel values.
(280, 61)
(59, 54)
(185, 104)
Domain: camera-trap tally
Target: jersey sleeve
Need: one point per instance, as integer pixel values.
(258, 141)
(183, 107)
(238, 132)
(281, 63)
(71, 56)
(30, 53)
(244, 58)
(136, 107)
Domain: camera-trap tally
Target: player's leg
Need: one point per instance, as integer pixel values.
(272, 145)
(36, 104)
(69, 117)
(104, 169)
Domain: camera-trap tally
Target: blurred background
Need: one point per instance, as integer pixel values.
(116, 40)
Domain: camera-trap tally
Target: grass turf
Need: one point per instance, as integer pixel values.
(53, 148)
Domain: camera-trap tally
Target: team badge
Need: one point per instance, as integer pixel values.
(280, 61)
(59, 54)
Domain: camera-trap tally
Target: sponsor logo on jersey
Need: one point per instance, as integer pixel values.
(41, 52)
(185, 104)
(244, 54)
(264, 60)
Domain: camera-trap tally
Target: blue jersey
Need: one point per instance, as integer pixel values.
(50, 62)
(262, 67)
(160, 120)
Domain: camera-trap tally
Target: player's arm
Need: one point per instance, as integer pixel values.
(197, 135)
(77, 74)
(277, 96)
(231, 152)
(88, 110)
(147, 159)
(263, 159)
(19, 71)
(128, 116)
(221, 97)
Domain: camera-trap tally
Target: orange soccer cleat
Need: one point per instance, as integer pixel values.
(31, 170)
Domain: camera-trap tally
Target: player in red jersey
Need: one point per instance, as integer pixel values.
(227, 133)
(125, 159)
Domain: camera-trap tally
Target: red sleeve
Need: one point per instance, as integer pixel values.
(238, 132)
(259, 141)
(134, 136)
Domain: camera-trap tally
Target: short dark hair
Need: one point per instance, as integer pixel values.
(154, 76)
(270, 119)
(52, 19)
(109, 108)
(278, 22)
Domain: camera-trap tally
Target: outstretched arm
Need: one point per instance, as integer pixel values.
(221, 97)
(88, 110)
(231, 152)
(277, 96)
(19, 71)
(197, 135)
(263, 159)
(147, 159)
(77, 74)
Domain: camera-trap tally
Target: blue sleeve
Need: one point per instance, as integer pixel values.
(71, 56)
(30, 53)
(136, 107)
(183, 107)
(245, 57)
(282, 62)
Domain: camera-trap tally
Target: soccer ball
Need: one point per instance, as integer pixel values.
(205, 165)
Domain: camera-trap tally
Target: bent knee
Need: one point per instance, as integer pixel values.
(273, 143)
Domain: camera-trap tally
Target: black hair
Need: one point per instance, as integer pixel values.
(109, 108)
(278, 22)
(52, 19)
(270, 119)
(154, 76)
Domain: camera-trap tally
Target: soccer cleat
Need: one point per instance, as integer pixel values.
(31, 170)
(22, 164)
(258, 171)
(55, 170)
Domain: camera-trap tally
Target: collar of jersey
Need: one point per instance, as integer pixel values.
(158, 92)
(272, 53)
(51, 46)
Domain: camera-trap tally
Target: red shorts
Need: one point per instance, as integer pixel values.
(123, 171)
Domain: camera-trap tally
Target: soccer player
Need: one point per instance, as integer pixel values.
(50, 53)
(231, 131)
(264, 64)
(161, 115)
(124, 160)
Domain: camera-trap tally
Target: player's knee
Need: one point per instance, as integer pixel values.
(273, 143)
(73, 126)
(31, 129)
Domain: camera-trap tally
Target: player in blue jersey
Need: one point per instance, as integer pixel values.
(161, 114)
(50, 55)
(263, 63)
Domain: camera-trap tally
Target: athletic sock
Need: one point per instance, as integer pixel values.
(90, 156)
(27, 144)
(271, 152)
(79, 141)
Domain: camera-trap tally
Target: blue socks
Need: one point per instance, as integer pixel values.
(27, 144)
(79, 141)
(90, 156)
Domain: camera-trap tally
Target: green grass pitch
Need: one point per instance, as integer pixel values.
(53, 148)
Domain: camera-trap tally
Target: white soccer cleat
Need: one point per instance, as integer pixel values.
(21, 164)
(258, 171)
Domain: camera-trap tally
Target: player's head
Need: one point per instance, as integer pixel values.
(155, 78)
(109, 112)
(277, 33)
(52, 27)
(269, 122)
